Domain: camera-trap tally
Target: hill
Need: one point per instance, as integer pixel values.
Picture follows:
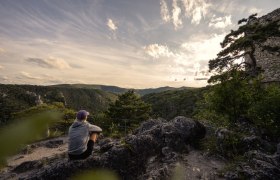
(172, 103)
(14, 98)
(118, 90)
(112, 89)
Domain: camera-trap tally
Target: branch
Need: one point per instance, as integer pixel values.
(242, 20)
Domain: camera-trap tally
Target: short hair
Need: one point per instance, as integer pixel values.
(82, 115)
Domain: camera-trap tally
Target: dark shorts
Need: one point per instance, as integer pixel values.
(85, 154)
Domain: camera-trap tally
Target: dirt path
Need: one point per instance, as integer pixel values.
(199, 166)
(39, 151)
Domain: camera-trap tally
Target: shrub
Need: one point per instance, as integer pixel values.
(224, 103)
(265, 112)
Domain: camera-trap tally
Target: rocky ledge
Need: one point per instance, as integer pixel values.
(151, 152)
(154, 150)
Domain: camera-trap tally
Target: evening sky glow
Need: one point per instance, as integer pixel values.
(127, 43)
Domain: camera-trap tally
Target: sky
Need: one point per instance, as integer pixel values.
(127, 43)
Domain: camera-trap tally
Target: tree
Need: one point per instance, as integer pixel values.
(129, 109)
(239, 87)
(228, 101)
(240, 43)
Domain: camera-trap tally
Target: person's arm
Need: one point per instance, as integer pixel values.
(94, 128)
(94, 131)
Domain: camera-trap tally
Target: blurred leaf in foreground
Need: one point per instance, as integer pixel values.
(178, 173)
(96, 175)
(29, 129)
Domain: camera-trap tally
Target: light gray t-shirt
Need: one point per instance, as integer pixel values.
(79, 136)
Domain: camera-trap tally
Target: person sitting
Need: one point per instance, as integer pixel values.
(82, 136)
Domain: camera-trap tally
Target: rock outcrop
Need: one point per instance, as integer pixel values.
(269, 61)
(258, 166)
(151, 152)
(260, 159)
(155, 149)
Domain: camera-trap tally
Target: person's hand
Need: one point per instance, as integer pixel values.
(93, 137)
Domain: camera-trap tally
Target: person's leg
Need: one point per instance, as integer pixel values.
(85, 154)
(89, 150)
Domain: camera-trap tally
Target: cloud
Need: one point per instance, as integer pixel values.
(177, 22)
(243, 9)
(28, 76)
(2, 50)
(4, 78)
(157, 51)
(200, 50)
(254, 10)
(203, 48)
(220, 22)
(112, 25)
(164, 12)
(190, 61)
(42, 79)
(194, 9)
(51, 62)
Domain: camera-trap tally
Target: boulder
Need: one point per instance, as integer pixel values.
(175, 134)
(147, 125)
(105, 144)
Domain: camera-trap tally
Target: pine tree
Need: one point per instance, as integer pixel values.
(129, 108)
(240, 43)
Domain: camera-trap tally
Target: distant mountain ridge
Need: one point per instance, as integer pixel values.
(119, 90)
(94, 98)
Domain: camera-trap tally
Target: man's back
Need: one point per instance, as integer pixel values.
(78, 137)
(82, 136)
